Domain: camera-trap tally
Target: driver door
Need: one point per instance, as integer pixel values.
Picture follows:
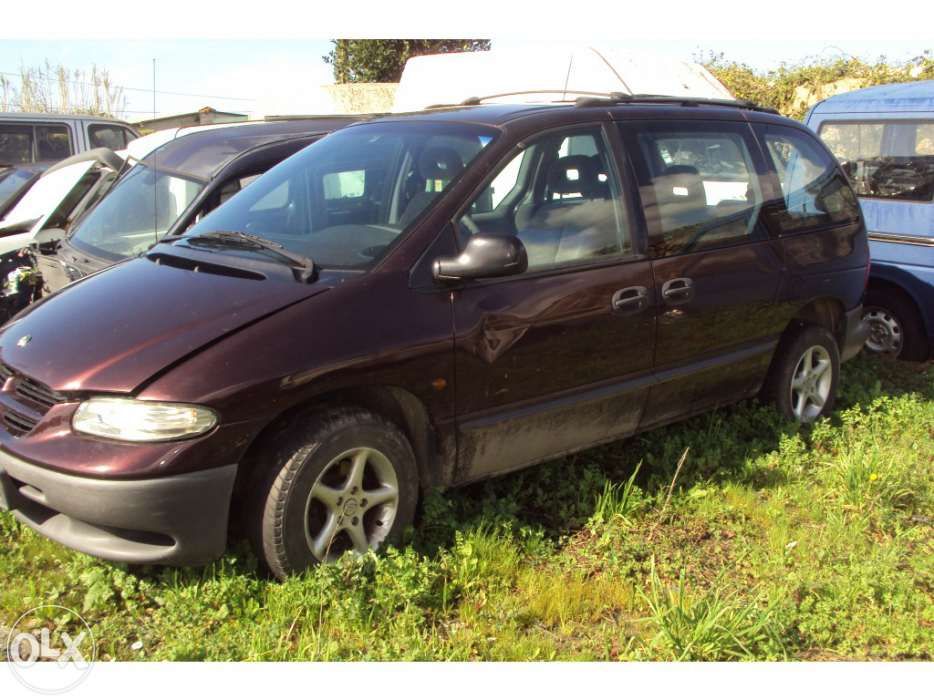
(560, 357)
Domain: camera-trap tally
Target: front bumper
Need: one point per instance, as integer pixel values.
(178, 520)
(855, 334)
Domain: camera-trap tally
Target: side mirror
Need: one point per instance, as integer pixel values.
(484, 256)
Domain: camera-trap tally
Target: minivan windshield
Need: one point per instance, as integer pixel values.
(136, 212)
(344, 199)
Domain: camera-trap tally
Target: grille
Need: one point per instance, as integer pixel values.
(35, 397)
(16, 424)
(38, 393)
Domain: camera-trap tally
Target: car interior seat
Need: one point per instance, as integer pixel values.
(572, 221)
(436, 167)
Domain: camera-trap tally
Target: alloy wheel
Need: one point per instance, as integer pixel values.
(811, 383)
(352, 505)
(885, 331)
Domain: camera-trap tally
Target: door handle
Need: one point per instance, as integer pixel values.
(630, 299)
(678, 290)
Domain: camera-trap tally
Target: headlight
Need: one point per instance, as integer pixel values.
(142, 421)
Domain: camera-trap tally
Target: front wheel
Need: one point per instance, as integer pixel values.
(803, 383)
(343, 480)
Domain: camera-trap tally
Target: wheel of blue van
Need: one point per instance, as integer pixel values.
(803, 381)
(895, 328)
(342, 480)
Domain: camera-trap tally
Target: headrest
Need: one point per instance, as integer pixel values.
(439, 163)
(681, 183)
(682, 170)
(573, 174)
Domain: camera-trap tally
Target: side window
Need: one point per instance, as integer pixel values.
(53, 142)
(885, 160)
(15, 144)
(699, 186)
(815, 193)
(560, 196)
(107, 136)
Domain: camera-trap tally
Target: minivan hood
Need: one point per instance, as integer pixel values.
(112, 331)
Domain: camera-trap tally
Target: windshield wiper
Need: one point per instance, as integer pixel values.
(249, 241)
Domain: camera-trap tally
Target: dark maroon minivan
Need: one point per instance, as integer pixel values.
(427, 300)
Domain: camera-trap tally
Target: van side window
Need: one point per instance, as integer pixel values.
(699, 187)
(885, 160)
(107, 136)
(53, 142)
(815, 193)
(15, 144)
(560, 196)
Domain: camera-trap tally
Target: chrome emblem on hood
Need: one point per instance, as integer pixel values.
(24, 341)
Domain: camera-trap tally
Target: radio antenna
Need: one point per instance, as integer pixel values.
(155, 189)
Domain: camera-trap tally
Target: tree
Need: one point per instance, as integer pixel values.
(382, 60)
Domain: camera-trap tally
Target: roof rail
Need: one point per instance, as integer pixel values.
(474, 101)
(624, 98)
(588, 98)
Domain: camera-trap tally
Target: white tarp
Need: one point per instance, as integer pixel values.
(554, 74)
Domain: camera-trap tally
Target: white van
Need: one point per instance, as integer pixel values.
(33, 138)
(548, 75)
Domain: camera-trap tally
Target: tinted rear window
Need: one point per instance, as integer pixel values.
(815, 193)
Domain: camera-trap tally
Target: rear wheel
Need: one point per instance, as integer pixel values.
(345, 480)
(803, 383)
(895, 328)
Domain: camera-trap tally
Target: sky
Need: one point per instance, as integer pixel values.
(267, 76)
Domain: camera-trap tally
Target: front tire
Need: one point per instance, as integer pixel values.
(342, 480)
(803, 383)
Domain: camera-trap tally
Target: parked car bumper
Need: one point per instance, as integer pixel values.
(179, 520)
(856, 332)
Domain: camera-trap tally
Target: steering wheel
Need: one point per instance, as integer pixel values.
(469, 224)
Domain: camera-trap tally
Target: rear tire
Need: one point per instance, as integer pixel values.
(896, 329)
(343, 479)
(804, 375)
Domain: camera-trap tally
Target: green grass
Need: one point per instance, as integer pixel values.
(774, 542)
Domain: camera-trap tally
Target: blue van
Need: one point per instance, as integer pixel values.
(884, 138)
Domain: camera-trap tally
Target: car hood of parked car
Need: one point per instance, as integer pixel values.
(113, 331)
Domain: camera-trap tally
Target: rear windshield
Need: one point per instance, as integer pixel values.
(885, 160)
(135, 214)
(343, 200)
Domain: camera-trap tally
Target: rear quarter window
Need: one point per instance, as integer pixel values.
(814, 191)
